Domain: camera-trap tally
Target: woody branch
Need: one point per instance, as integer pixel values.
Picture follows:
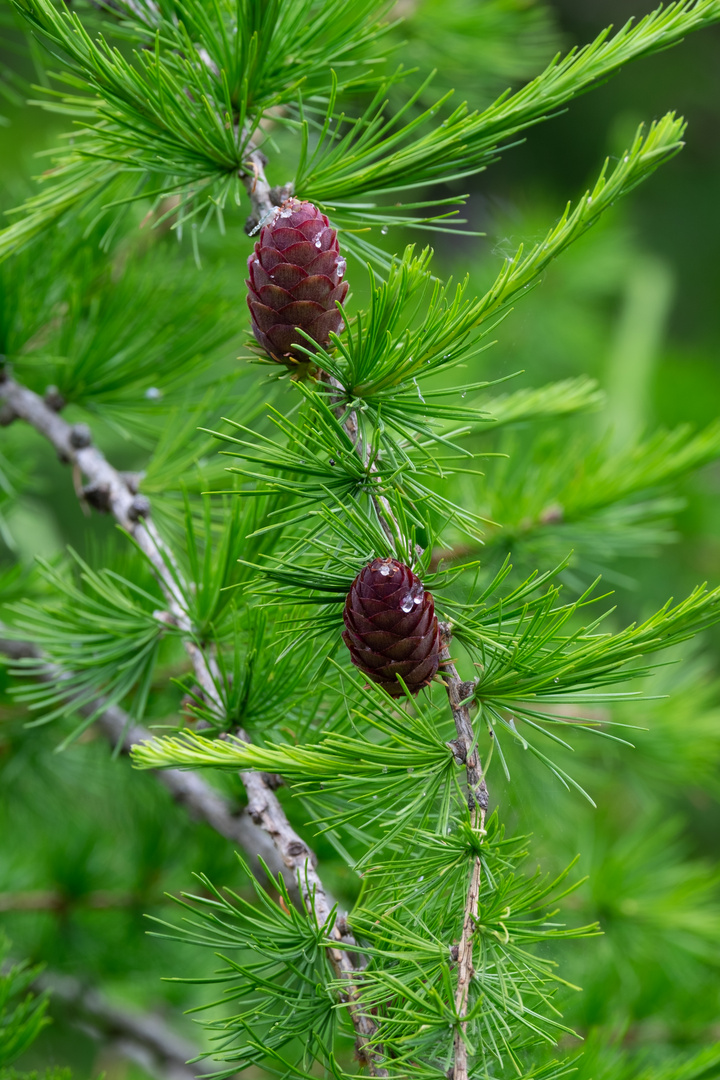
(109, 490)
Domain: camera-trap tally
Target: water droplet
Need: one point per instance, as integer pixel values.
(153, 394)
(463, 393)
(341, 267)
(417, 387)
(417, 593)
(318, 243)
(589, 198)
(406, 603)
(385, 570)
(286, 212)
(384, 230)
(384, 768)
(411, 768)
(421, 878)
(256, 262)
(374, 796)
(556, 680)
(626, 158)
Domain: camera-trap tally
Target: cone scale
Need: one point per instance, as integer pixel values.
(296, 279)
(391, 628)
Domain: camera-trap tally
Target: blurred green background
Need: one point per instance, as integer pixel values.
(634, 304)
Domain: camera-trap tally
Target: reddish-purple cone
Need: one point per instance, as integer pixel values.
(391, 627)
(296, 278)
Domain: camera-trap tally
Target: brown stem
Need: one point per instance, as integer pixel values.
(109, 490)
(465, 749)
(264, 199)
(465, 964)
(352, 428)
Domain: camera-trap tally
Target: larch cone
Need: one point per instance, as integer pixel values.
(296, 280)
(391, 628)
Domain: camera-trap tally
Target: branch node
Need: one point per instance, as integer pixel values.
(139, 508)
(459, 750)
(132, 481)
(169, 620)
(279, 194)
(54, 399)
(7, 415)
(97, 495)
(80, 436)
(467, 690)
(552, 515)
(479, 796)
(296, 848)
(272, 780)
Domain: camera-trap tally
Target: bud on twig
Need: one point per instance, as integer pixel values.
(80, 436)
(139, 508)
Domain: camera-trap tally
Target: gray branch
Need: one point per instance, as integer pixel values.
(264, 199)
(111, 492)
(202, 801)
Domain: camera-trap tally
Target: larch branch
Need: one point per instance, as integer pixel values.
(465, 748)
(108, 489)
(202, 801)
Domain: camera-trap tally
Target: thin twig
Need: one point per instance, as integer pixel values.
(465, 749)
(264, 199)
(349, 420)
(108, 489)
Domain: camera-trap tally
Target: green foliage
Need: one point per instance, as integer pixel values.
(532, 662)
(52, 1073)
(100, 636)
(367, 364)
(409, 925)
(278, 976)
(580, 494)
(183, 113)
(356, 774)
(370, 450)
(601, 1063)
(22, 1013)
(494, 43)
(182, 116)
(274, 955)
(115, 336)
